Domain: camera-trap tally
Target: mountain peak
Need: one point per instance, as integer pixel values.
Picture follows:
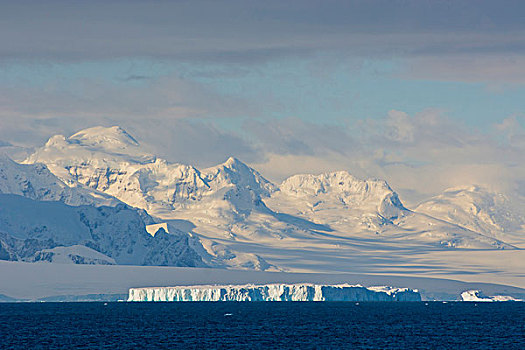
(341, 188)
(99, 135)
(333, 182)
(476, 208)
(233, 164)
(102, 144)
(233, 171)
(232, 161)
(56, 140)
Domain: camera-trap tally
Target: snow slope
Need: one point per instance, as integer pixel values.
(477, 209)
(35, 181)
(340, 190)
(370, 209)
(338, 202)
(38, 231)
(77, 254)
(100, 154)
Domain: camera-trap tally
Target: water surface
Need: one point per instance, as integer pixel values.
(367, 325)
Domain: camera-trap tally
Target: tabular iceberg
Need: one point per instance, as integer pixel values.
(274, 292)
(477, 295)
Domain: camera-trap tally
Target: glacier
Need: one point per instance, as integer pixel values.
(274, 292)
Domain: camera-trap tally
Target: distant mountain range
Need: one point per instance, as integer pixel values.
(98, 197)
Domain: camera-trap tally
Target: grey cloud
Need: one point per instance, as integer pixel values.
(168, 96)
(30, 131)
(194, 142)
(512, 129)
(135, 78)
(431, 127)
(298, 137)
(445, 153)
(178, 140)
(495, 67)
(399, 127)
(248, 31)
(420, 154)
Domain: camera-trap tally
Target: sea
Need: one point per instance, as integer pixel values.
(263, 325)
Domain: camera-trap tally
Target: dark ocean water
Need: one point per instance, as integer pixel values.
(330, 325)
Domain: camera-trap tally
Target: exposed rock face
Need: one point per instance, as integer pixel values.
(274, 292)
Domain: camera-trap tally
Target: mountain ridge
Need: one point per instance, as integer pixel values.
(241, 218)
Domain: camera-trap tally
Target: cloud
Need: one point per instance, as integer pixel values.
(494, 67)
(512, 129)
(297, 137)
(135, 77)
(193, 142)
(399, 127)
(167, 96)
(225, 49)
(186, 141)
(419, 155)
(255, 31)
(442, 152)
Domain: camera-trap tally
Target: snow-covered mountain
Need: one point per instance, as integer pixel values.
(477, 209)
(35, 181)
(370, 209)
(111, 161)
(239, 218)
(337, 198)
(42, 231)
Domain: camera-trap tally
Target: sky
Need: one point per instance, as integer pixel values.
(424, 94)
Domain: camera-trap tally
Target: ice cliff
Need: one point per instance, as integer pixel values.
(274, 292)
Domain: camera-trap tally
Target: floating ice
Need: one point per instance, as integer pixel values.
(477, 295)
(274, 292)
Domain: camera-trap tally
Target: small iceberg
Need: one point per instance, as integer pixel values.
(478, 296)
